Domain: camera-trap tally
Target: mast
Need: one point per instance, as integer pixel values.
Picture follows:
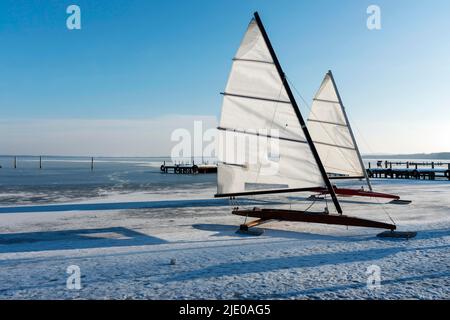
(350, 130)
(297, 111)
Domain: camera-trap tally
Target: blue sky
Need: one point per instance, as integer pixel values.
(135, 60)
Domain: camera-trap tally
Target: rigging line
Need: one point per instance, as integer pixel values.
(310, 110)
(385, 211)
(326, 204)
(314, 201)
(383, 207)
(347, 171)
(276, 105)
(245, 220)
(361, 135)
(335, 145)
(362, 138)
(260, 135)
(298, 92)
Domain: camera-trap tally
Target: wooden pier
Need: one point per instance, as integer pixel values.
(40, 160)
(188, 168)
(410, 170)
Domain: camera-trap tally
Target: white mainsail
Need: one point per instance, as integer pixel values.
(261, 143)
(331, 132)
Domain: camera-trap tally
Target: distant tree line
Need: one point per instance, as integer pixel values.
(424, 156)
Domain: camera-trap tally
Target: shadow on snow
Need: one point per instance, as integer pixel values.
(309, 261)
(74, 239)
(163, 204)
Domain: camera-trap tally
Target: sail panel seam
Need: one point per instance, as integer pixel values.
(262, 192)
(346, 177)
(334, 145)
(326, 101)
(328, 122)
(251, 60)
(253, 98)
(261, 135)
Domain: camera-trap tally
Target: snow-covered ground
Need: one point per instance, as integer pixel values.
(124, 248)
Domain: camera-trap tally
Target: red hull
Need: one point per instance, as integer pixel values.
(358, 193)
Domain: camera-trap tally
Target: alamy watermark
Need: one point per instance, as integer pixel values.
(74, 279)
(374, 19)
(247, 148)
(73, 21)
(373, 273)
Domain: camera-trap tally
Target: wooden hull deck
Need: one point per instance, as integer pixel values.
(265, 215)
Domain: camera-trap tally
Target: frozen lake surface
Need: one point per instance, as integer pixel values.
(123, 224)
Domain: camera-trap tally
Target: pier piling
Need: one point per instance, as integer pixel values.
(423, 170)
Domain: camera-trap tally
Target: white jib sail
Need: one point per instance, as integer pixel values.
(261, 144)
(331, 133)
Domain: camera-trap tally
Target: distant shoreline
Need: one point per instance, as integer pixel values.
(72, 156)
(413, 156)
(421, 156)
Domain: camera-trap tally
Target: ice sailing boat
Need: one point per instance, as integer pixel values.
(259, 108)
(336, 144)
